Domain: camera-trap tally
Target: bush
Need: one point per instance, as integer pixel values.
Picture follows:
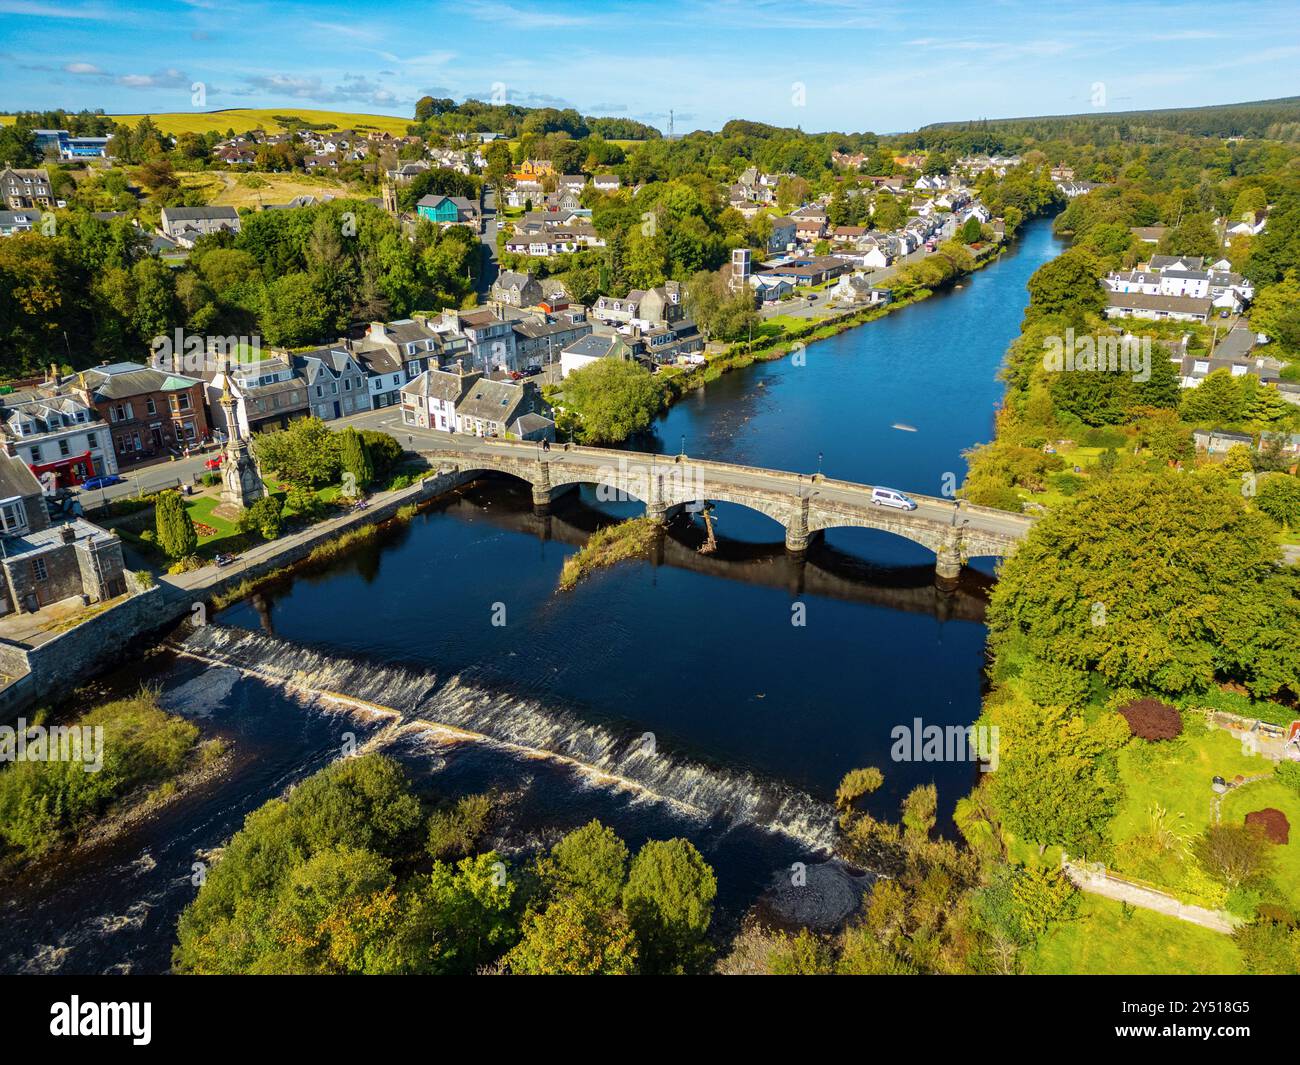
(186, 564)
(1273, 823)
(1288, 773)
(1067, 483)
(304, 503)
(211, 478)
(263, 517)
(144, 580)
(1151, 719)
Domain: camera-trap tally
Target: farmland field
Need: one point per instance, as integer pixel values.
(243, 119)
(253, 190)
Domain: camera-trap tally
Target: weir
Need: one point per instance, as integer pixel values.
(713, 794)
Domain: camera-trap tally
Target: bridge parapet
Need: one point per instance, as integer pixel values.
(803, 504)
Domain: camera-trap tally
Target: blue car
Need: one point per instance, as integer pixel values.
(102, 482)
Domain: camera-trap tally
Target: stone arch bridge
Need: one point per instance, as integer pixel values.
(803, 505)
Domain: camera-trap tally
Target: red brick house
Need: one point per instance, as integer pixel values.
(149, 412)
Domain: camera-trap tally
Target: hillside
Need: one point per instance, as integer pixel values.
(243, 119)
(1273, 119)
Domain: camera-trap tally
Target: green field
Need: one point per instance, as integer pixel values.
(242, 119)
(1102, 940)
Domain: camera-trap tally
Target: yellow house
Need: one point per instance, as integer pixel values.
(535, 170)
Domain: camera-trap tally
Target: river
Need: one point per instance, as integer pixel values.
(720, 698)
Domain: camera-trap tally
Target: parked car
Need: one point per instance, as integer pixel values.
(1223, 314)
(532, 371)
(213, 463)
(91, 483)
(888, 497)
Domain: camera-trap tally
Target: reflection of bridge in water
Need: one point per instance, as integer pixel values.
(824, 570)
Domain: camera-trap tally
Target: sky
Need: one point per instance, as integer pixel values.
(851, 65)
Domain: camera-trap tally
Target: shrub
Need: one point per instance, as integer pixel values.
(186, 564)
(1288, 773)
(210, 478)
(144, 580)
(1151, 719)
(1067, 483)
(1272, 822)
(305, 503)
(1233, 854)
(263, 517)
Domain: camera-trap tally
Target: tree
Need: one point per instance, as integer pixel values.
(265, 517)
(1090, 586)
(669, 900)
(1279, 497)
(1066, 286)
(592, 860)
(175, 529)
(613, 399)
(355, 457)
(970, 230)
(1216, 400)
(575, 936)
(18, 147)
(307, 453)
(1054, 783)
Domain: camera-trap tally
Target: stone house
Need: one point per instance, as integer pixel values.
(44, 564)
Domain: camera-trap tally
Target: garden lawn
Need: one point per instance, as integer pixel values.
(1102, 940)
(1260, 795)
(1179, 781)
(200, 510)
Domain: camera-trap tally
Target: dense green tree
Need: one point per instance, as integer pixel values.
(669, 900)
(174, 527)
(355, 457)
(1091, 587)
(612, 399)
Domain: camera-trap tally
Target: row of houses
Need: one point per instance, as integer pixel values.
(1176, 288)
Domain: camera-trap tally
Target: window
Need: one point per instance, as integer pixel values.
(36, 453)
(92, 440)
(151, 406)
(64, 449)
(13, 516)
(38, 569)
(183, 400)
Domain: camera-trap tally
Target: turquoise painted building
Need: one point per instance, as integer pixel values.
(441, 209)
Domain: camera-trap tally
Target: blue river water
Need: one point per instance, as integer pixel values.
(455, 620)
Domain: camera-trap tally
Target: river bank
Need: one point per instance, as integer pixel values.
(754, 719)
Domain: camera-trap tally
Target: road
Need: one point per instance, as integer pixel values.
(719, 480)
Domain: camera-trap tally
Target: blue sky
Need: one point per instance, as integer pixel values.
(817, 64)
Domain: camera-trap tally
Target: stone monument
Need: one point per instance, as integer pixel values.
(241, 480)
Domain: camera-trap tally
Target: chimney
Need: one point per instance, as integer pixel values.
(54, 373)
(67, 534)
